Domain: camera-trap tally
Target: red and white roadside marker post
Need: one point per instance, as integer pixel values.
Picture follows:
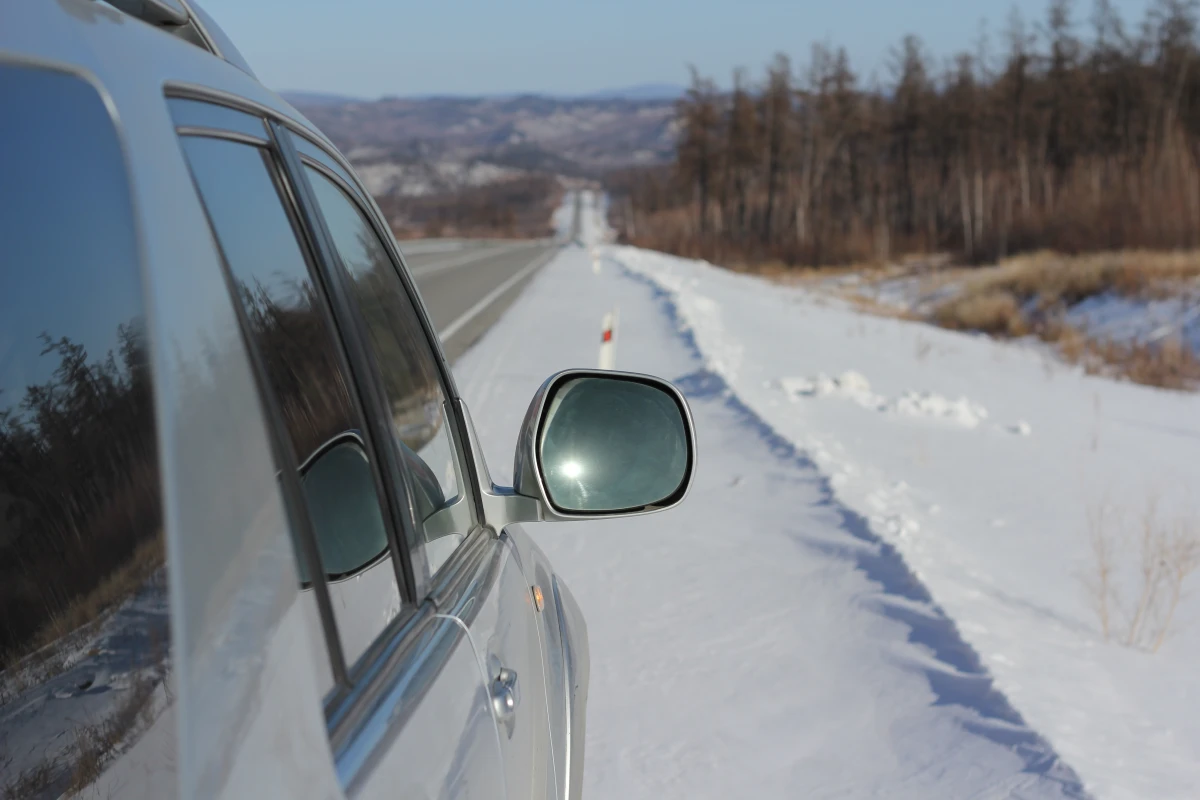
(608, 340)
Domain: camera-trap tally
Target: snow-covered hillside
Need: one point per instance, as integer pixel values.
(877, 585)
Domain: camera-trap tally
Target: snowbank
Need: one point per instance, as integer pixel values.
(979, 461)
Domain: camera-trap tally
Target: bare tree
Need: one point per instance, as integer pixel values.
(776, 114)
(1065, 141)
(699, 143)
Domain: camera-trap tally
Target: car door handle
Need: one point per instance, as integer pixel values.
(505, 695)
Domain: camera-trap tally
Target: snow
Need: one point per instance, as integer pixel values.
(83, 679)
(854, 600)
(989, 511)
(875, 586)
(1125, 319)
(855, 387)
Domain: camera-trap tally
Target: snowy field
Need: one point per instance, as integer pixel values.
(877, 585)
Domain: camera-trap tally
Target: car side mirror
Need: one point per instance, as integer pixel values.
(598, 443)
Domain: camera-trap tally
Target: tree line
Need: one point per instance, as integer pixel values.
(1076, 132)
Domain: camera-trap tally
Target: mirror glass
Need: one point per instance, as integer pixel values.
(340, 490)
(611, 444)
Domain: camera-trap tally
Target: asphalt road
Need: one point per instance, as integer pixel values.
(467, 285)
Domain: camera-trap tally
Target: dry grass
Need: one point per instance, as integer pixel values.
(995, 311)
(878, 309)
(1030, 293)
(1140, 613)
(32, 782)
(1168, 364)
(97, 745)
(1052, 279)
(116, 587)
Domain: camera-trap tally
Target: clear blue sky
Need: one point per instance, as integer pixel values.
(373, 47)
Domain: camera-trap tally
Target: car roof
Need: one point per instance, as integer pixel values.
(124, 56)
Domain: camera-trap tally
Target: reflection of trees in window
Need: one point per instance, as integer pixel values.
(79, 489)
(301, 364)
(406, 365)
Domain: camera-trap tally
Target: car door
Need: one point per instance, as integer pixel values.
(407, 709)
(505, 632)
(473, 572)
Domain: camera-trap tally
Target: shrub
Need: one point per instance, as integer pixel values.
(995, 312)
(1140, 611)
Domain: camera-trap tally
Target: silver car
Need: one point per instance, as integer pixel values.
(249, 546)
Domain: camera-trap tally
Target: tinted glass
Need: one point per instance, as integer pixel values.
(84, 625)
(410, 374)
(300, 352)
(338, 484)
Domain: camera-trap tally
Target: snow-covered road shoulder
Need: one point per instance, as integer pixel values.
(979, 462)
(762, 639)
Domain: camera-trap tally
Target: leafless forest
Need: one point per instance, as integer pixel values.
(1077, 132)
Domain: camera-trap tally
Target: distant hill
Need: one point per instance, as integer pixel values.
(426, 145)
(302, 98)
(644, 91)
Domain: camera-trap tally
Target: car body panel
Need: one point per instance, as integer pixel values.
(566, 659)
(250, 665)
(241, 651)
(447, 745)
(504, 629)
(563, 634)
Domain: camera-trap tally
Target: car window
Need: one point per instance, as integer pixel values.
(85, 638)
(313, 394)
(406, 361)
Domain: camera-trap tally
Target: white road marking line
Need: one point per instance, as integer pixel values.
(491, 297)
(460, 261)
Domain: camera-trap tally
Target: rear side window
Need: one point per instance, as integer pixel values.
(313, 394)
(84, 625)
